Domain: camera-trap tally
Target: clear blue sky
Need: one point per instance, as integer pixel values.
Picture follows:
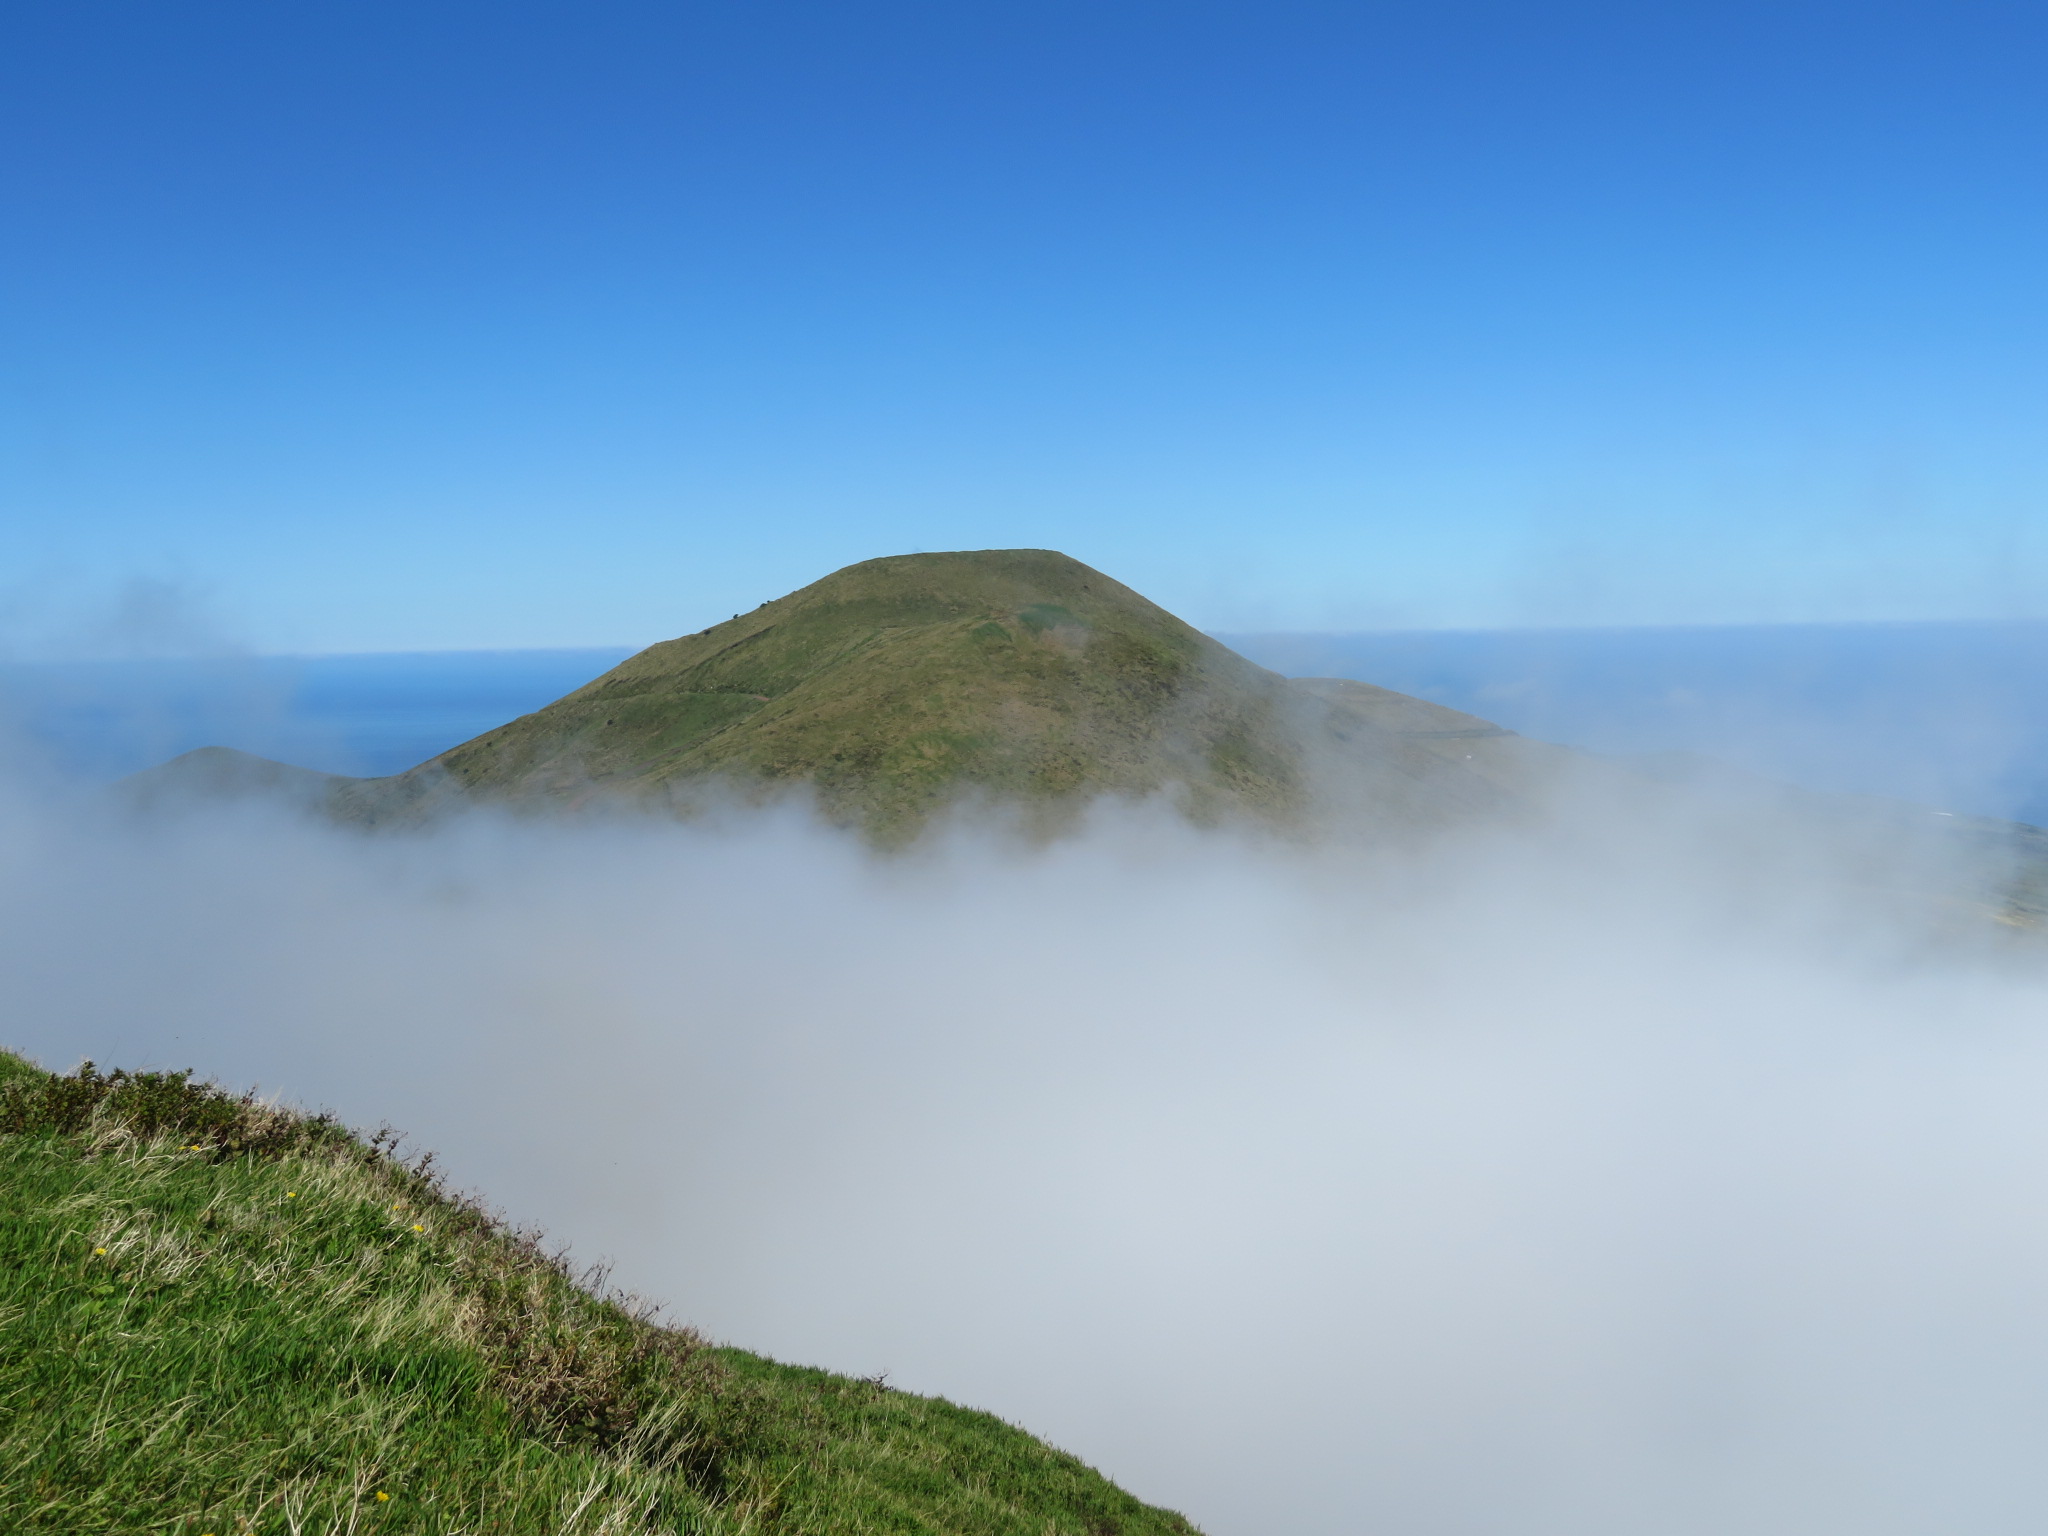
(382, 326)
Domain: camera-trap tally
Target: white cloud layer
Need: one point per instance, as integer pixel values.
(1510, 1193)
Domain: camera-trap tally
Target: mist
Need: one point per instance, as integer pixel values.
(1582, 1179)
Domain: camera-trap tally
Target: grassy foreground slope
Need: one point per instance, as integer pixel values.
(217, 1317)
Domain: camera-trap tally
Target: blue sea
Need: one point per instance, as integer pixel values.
(1952, 715)
(371, 714)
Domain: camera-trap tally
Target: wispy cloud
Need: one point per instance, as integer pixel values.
(1598, 1183)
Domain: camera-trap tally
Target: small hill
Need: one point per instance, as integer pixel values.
(894, 687)
(222, 773)
(216, 1316)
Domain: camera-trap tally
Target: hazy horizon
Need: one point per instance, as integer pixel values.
(1953, 715)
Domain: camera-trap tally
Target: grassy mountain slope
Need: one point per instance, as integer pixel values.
(894, 685)
(216, 1317)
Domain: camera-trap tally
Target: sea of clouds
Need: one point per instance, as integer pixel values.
(1585, 1181)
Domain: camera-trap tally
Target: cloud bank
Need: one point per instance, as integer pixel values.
(1589, 1185)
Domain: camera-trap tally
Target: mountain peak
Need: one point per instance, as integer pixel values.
(892, 688)
(892, 685)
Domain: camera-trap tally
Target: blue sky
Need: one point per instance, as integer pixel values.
(379, 326)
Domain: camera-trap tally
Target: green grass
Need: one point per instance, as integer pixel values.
(218, 1317)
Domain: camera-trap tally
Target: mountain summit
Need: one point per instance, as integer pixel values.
(897, 686)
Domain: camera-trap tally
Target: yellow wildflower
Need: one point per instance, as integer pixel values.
(383, 1497)
(100, 1251)
(417, 1227)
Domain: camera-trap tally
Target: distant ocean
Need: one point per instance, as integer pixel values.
(1953, 715)
(371, 714)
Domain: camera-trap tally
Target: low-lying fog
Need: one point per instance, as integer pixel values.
(1517, 1193)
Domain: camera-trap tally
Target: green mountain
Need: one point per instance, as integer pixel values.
(896, 687)
(892, 686)
(219, 1317)
(1028, 684)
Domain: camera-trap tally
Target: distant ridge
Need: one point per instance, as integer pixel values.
(228, 774)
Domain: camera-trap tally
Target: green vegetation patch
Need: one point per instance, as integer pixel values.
(219, 1316)
(1039, 617)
